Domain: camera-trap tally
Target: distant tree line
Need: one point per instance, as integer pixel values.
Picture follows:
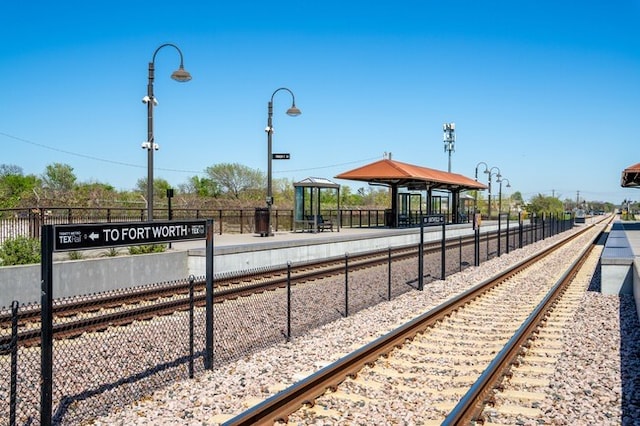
(226, 185)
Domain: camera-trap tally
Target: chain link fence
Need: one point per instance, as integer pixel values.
(116, 363)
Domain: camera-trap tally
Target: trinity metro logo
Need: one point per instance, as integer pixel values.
(76, 237)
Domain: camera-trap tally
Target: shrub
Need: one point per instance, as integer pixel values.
(111, 252)
(20, 251)
(75, 255)
(148, 248)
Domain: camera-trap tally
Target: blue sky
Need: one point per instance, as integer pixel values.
(547, 91)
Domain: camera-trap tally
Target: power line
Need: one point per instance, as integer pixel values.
(329, 166)
(91, 157)
(138, 166)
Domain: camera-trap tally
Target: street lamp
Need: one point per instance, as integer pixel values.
(449, 130)
(500, 193)
(180, 75)
(498, 175)
(293, 111)
(475, 200)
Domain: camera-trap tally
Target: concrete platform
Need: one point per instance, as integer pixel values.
(620, 261)
(235, 252)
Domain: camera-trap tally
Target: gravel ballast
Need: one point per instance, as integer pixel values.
(598, 378)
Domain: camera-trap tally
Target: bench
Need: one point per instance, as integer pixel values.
(404, 220)
(321, 223)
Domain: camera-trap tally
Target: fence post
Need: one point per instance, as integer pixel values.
(191, 280)
(288, 301)
(520, 229)
(208, 361)
(346, 285)
(12, 349)
(460, 252)
(499, 232)
(389, 276)
(476, 247)
(46, 324)
(443, 258)
(487, 235)
(421, 258)
(507, 248)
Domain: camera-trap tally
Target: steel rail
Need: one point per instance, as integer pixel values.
(281, 405)
(472, 403)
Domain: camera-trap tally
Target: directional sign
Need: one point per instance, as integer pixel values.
(433, 219)
(284, 156)
(78, 237)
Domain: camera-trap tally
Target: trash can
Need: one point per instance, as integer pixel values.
(262, 221)
(388, 218)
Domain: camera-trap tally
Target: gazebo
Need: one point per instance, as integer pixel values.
(396, 174)
(306, 205)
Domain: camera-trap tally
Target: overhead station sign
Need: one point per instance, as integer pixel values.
(78, 237)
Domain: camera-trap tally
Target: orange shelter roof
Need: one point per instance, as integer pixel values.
(631, 177)
(391, 172)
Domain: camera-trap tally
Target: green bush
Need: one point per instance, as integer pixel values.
(75, 255)
(20, 251)
(111, 252)
(148, 248)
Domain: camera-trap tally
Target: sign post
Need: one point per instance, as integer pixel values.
(81, 237)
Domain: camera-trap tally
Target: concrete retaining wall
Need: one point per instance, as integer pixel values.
(87, 276)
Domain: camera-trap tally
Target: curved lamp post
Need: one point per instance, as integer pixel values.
(180, 75)
(500, 193)
(293, 111)
(475, 200)
(490, 172)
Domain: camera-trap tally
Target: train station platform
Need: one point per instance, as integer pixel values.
(234, 252)
(620, 260)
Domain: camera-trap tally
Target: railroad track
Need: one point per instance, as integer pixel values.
(445, 363)
(94, 313)
(76, 306)
(120, 308)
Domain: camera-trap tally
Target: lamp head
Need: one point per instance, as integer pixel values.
(294, 111)
(181, 75)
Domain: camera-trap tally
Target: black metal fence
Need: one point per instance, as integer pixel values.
(27, 222)
(102, 371)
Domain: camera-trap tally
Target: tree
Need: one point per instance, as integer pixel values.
(59, 177)
(202, 187)
(516, 197)
(236, 180)
(95, 194)
(15, 187)
(10, 169)
(541, 204)
(160, 187)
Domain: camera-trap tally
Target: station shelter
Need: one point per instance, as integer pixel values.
(307, 205)
(409, 182)
(631, 177)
